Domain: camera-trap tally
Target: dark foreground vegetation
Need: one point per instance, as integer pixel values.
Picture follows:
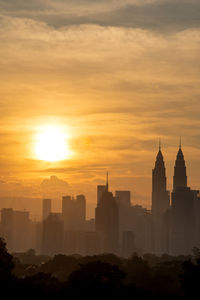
(28, 276)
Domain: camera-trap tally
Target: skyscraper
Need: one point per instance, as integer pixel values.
(67, 212)
(80, 212)
(180, 177)
(123, 199)
(46, 208)
(107, 221)
(16, 229)
(160, 201)
(100, 190)
(182, 231)
(53, 234)
(160, 195)
(74, 212)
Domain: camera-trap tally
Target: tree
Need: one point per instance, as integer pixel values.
(6, 261)
(96, 275)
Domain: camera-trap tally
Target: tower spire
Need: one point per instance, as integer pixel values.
(159, 144)
(180, 142)
(180, 176)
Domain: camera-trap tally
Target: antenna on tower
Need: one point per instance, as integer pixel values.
(159, 144)
(180, 143)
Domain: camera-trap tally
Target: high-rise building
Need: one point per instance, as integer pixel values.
(100, 190)
(182, 230)
(160, 202)
(182, 221)
(80, 212)
(180, 177)
(46, 208)
(160, 195)
(68, 212)
(107, 221)
(53, 234)
(22, 233)
(123, 199)
(74, 212)
(128, 243)
(140, 223)
(17, 230)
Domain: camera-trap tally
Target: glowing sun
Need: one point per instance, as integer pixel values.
(51, 144)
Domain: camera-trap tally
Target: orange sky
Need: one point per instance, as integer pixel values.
(116, 74)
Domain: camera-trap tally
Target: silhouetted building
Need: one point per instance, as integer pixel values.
(128, 244)
(74, 242)
(183, 221)
(140, 223)
(182, 231)
(90, 225)
(123, 199)
(17, 229)
(93, 243)
(38, 237)
(107, 221)
(74, 212)
(53, 234)
(46, 208)
(100, 190)
(80, 212)
(67, 212)
(180, 177)
(197, 217)
(160, 202)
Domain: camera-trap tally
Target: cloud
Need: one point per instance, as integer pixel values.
(153, 14)
(54, 187)
(117, 87)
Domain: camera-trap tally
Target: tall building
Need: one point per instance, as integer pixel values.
(128, 243)
(140, 223)
(80, 212)
(107, 221)
(46, 208)
(182, 231)
(160, 202)
(74, 212)
(16, 229)
(180, 177)
(123, 199)
(67, 212)
(22, 233)
(53, 234)
(100, 190)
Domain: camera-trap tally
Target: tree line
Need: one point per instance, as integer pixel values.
(27, 275)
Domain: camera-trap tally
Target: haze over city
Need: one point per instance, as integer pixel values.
(112, 77)
(100, 149)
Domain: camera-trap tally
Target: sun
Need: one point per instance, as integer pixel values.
(51, 144)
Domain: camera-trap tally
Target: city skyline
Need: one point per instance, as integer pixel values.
(113, 75)
(119, 226)
(100, 148)
(55, 187)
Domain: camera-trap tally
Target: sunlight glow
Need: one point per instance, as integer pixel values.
(52, 144)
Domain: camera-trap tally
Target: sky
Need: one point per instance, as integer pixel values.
(115, 75)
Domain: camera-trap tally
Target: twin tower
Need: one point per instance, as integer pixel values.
(160, 195)
(172, 220)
